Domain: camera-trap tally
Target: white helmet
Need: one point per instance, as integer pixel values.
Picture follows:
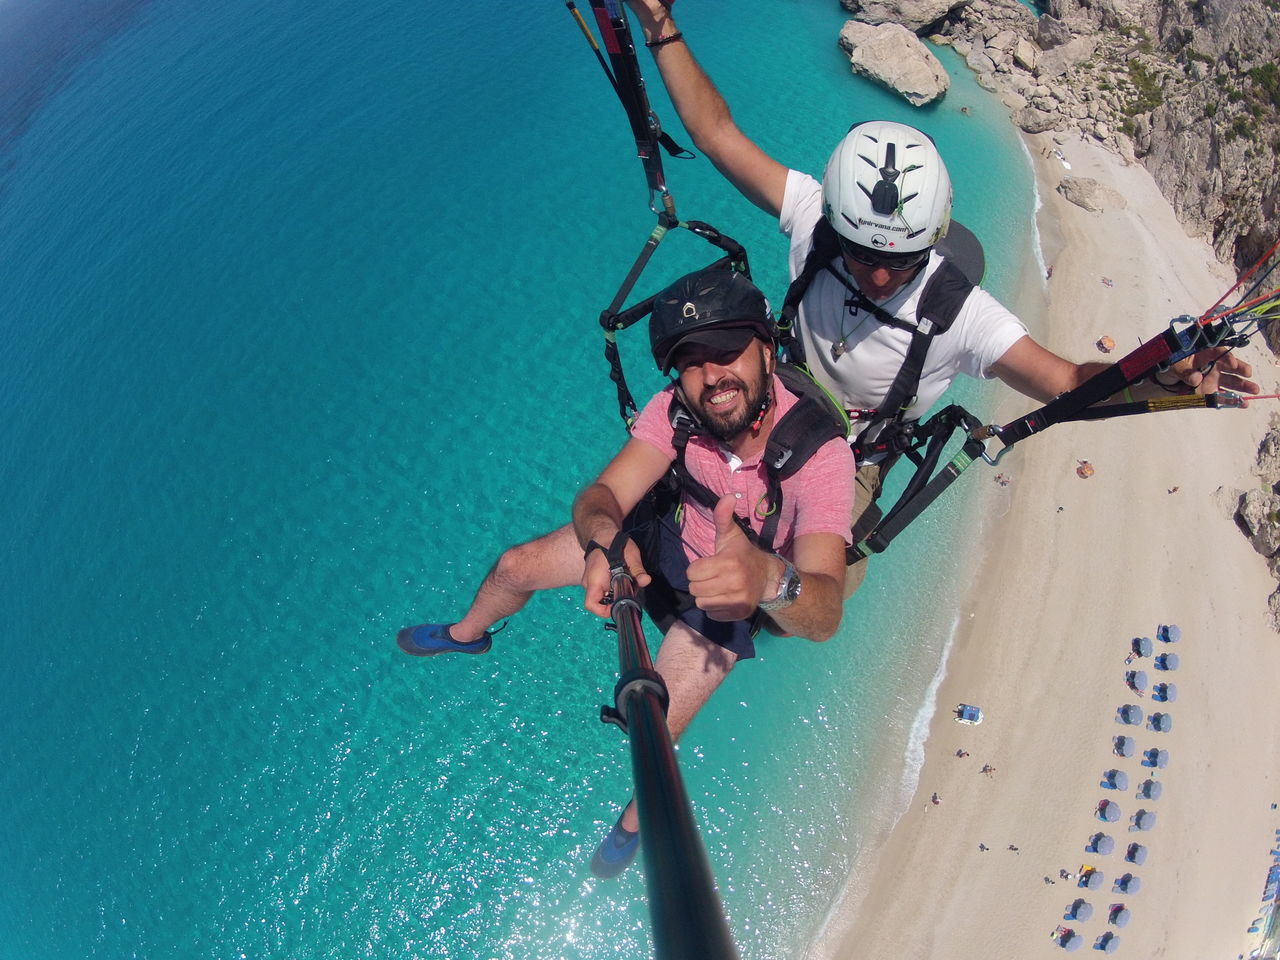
(887, 188)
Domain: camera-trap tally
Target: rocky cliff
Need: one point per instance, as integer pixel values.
(1205, 108)
(1258, 511)
(1191, 88)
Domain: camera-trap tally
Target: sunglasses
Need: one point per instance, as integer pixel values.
(897, 262)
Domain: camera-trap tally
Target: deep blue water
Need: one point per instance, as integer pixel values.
(297, 305)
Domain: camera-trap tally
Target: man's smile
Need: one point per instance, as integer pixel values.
(723, 397)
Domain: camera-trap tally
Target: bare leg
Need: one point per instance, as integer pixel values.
(551, 561)
(692, 668)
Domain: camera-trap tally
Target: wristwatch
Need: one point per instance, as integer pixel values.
(788, 588)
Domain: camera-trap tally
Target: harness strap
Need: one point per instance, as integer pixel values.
(940, 301)
(812, 420)
(628, 83)
(690, 486)
(796, 436)
(939, 304)
(613, 318)
(612, 553)
(1180, 401)
(1156, 354)
(925, 486)
(902, 392)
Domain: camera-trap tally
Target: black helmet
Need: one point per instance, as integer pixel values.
(715, 306)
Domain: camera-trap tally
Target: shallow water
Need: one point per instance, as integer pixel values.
(299, 330)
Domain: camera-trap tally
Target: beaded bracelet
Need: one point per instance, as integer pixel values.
(663, 41)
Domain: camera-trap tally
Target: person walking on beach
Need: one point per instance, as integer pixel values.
(886, 197)
(714, 584)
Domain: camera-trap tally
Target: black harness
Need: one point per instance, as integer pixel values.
(888, 431)
(796, 436)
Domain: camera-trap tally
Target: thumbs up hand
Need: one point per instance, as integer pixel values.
(728, 533)
(730, 583)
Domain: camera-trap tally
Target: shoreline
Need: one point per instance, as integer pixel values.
(1073, 572)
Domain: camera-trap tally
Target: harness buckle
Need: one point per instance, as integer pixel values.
(780, 461)
(984, 435)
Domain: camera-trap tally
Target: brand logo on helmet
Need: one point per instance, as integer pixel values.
(879, 241)
(689, 311)
(864, 222)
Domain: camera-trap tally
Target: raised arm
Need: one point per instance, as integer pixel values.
(704, 113)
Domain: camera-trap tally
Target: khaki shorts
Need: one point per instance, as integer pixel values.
(866, 490)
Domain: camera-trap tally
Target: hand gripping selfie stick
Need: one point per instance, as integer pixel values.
(687, 916)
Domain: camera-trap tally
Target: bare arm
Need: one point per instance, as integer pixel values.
(732, 582)
(706, 116)
(598, 512)
(1041, 374)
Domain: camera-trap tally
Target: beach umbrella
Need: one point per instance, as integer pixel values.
(1164, 693)
(1156, 759)
(1142, 646)
(1136, 679)
(1105, 344)
(1150, 790)
(1161, 722)
(1091, 878)
(1107, 943)
(1115, 780)
(1168, 633)
(1119, 915)
(1101, 844)
(1166, 661)
(1070, 940)
(1128, 884)
(1143, 820)
(1078, 909)
(1130, 713)
(1124, 747)
(1084, 470)
(1108, 811)
(1136, 854)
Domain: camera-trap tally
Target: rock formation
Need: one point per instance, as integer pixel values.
(894, 56)
(1258, 511)
(916, 15)
(1090, 194)
(1191, 88)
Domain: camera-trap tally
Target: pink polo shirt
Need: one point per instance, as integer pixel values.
(817, 499)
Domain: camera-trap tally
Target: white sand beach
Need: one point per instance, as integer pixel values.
(1064, 581)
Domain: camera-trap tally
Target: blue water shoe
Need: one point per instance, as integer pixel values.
(430, 639)
(616, 851)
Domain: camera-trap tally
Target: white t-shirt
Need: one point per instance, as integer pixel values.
(873, 351)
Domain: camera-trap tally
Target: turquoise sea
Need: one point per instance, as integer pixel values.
(297, 330)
